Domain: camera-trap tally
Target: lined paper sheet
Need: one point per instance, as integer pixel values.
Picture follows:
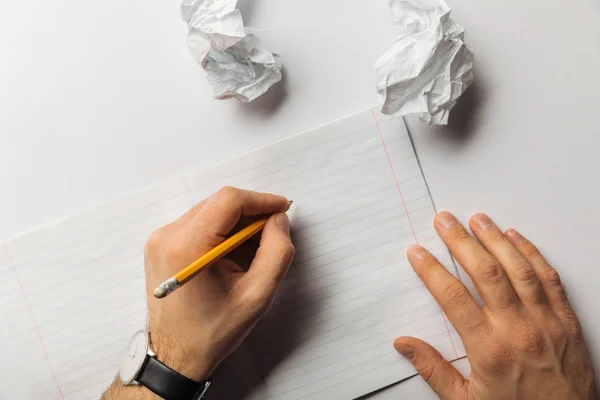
(359, 201)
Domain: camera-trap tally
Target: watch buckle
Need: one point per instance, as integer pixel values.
(204, 390)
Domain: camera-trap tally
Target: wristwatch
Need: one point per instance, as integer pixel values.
(140, 366)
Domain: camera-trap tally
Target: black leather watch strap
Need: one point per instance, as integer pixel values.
(167, 383)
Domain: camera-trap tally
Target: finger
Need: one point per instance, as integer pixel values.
(271, 263)
(519, 270)
(228, 205)
(454, 298)
(549, 279)
(442, 377)
(485, 271)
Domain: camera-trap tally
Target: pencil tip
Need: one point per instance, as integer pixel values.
(288, 206)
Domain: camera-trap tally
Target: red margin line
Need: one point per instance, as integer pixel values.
(412, 228)
(12, 264)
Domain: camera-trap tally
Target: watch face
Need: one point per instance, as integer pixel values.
(134, 357)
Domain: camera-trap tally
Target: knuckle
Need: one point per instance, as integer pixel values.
(455, 294)
(489, 269)
(557, 332)
(498, 357)
(228, 194)
(483, 330)
(266, 198)
(154, 242)
(572, 324)
(530, 341)
(496, 236)
(427, 264)
(427, 371)
(288, 252)
(531, 251)
(460, 235)
(283, 253)
(524, 272)
(552, 277)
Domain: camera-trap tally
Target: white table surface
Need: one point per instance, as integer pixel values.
(99, 98)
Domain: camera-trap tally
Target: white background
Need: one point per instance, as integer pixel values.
(100, 98)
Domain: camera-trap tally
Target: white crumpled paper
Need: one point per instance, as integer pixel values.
(428, 67)
(236, 62)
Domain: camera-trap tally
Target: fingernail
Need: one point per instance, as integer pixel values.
(447, 220)
(405, 350)
(418, 251)
(483, 222)
(515, 237)
(283, 221)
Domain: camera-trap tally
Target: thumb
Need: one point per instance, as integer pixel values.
(272, 259)
(442, 377)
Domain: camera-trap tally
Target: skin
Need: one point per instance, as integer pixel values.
(526, 343)
(227, 300)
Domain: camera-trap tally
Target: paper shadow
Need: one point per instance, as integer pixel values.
(246, 7)
(269, 102)
(465, 115)
(276, 336)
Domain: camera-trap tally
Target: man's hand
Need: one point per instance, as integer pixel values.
(526, 343)
(197, 326)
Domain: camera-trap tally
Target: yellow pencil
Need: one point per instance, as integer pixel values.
(210, 257)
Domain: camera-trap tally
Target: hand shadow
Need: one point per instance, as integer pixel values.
(283, 330)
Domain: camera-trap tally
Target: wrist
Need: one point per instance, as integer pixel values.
(118, 391)
(184, 361)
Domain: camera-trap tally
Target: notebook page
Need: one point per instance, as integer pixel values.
(348, 294)
(359, 201)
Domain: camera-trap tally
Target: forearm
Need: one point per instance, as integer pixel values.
(118, 391)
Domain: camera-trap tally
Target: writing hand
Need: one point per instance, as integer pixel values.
(201, 323)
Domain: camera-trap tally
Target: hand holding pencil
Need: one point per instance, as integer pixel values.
(206, 318)
(212, 256)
